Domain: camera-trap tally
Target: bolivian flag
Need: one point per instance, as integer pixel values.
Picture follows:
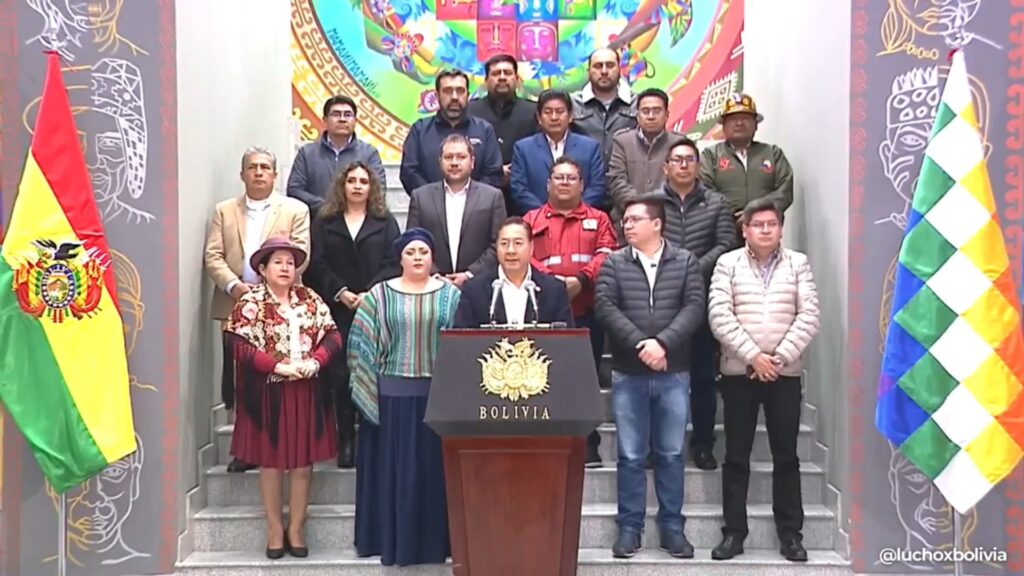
(63, 367)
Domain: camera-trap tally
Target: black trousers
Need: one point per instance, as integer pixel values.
(597, 348)
(782, 400)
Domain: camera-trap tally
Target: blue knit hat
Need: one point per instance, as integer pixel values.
(411, 235)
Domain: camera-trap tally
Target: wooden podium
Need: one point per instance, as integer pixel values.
(513, 408)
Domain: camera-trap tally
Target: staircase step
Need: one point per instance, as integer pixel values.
(608, 450)
(592, 562)
(334, 486)
(330, 527)
(761, 451)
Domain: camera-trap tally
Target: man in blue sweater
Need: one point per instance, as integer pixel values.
(419, 153)
(318, 162)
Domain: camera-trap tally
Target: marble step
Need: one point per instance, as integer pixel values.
(330, 527)
(608, 448)
(334, 486)
(592, 562)
(807, 416)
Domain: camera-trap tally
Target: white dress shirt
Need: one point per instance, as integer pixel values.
(256, 212)
(454, 209)
(514, 297)
(557, 148)
(650, 266)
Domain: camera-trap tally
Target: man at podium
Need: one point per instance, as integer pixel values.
(513, 294)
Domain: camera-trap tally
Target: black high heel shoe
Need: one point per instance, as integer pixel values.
(296, 551)
(277, 553)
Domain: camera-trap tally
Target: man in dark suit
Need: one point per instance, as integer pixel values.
(534, 156)
(520, 294)
(461, 213)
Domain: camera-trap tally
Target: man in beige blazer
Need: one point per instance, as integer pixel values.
(239, 227)
(242, 223)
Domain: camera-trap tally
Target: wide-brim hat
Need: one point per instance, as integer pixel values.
(273, 244)
(740, 104)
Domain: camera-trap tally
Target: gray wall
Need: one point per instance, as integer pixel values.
(806, 113)
(234, 90)
(897, 70)
(119, 72)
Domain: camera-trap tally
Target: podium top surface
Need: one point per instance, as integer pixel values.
(514, 382)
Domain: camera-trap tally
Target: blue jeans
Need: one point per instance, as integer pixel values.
(651, 411)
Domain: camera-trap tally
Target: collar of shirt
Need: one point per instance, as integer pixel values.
(775, 255)
(560, 143)
(506, 282)
(622, 92)
(579, 212)
(655, 258)
(452, 192)
(645, 141)
(256, 205)
(463, 122)
(335, 149)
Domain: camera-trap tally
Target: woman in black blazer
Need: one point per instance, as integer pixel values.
(351, 240)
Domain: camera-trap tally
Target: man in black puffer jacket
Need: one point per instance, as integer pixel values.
(650, 299)
(699, 220)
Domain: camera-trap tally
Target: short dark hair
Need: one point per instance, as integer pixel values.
(762, 205)
(499, 59)
(653, 204)
(653, 92)
(339, 99)
(684, 141)
(549, 95)
(516, 221)
(450, 73)
(455, 138)
(569, 161)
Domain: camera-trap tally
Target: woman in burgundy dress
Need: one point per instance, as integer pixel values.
(279, 343)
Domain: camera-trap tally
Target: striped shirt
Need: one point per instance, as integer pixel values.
(396, 334)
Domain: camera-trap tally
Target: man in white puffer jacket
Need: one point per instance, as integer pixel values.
(763, 308)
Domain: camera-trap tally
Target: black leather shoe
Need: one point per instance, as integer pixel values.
(626, 545)
(729, 547)
(676, 544)
(237, 465)
(593, 458)
(793, 550)
(346, 439)
(704, 459)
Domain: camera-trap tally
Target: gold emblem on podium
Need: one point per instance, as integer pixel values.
(514, 371)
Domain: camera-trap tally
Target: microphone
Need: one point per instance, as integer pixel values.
(531, 289)
(495, 290)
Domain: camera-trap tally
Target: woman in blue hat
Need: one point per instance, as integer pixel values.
(401, 511)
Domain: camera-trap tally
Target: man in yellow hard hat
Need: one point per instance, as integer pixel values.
(743, 169)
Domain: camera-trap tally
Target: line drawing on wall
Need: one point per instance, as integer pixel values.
(110, 109)
(66, 22)
(906, 20)
(98, 510)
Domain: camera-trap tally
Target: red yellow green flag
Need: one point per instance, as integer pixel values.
(63, 366)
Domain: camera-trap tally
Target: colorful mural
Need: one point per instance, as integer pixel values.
(385, 54)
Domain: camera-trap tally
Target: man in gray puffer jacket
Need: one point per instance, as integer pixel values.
(650, 299)
(699, 220)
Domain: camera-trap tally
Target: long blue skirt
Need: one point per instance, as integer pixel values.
(401, 509)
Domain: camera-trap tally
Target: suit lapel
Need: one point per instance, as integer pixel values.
(442, 216)
(472, 198)
(274, 212)
(240, 219)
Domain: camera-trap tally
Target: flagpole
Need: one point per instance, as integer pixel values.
(62, 535)
(958, 565)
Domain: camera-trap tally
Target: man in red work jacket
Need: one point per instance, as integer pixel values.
(571, 241)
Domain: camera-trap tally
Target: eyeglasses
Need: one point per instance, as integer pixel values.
(767, 225)
(682, 160)
(570, 178)
(656, 111)
(633, 220)
(342, 114)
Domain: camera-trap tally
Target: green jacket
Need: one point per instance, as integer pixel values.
(768, 175)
